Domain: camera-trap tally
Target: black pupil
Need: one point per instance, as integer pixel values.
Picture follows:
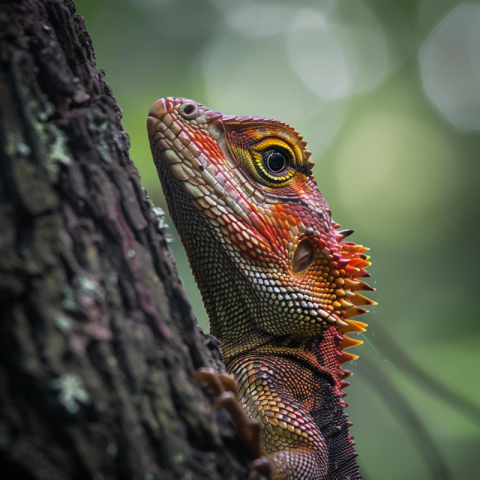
(276, 162)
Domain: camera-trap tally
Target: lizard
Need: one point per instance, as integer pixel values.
(279, 282)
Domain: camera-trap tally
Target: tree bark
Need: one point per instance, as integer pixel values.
(97, 339)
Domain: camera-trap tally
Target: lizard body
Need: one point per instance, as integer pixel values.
(279, 284)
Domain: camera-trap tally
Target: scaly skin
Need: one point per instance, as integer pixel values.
(279, 284)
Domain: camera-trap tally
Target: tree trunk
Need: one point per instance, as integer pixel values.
(97, 339)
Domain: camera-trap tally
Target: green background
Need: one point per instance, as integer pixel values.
(347, 75)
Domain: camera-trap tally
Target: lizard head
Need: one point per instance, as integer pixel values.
(242, 195)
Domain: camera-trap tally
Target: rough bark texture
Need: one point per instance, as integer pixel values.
(97, 339)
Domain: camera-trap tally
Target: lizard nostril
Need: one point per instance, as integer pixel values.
(188, 111)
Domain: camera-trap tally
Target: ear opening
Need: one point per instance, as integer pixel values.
(303, 256)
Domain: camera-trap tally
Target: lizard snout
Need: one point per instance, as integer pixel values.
(158, 110)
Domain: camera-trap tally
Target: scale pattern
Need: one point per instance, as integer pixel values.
(279, 282)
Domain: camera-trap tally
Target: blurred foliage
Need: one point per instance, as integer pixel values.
(359, 80)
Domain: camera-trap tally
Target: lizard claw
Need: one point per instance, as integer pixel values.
(210, 378)
(249, 429)
(228, 383)
(230, 402)
(263, 466)
(224, 388)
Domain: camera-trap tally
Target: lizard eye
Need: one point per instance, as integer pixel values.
(269, 161)
(275, 160)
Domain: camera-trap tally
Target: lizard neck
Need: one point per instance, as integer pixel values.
(298, 391)
(321, 354)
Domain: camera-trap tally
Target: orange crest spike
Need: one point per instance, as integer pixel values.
(359, 300)
(353, 312)
(353, 326)
(345, 357)
(358, 285)
(348, 342)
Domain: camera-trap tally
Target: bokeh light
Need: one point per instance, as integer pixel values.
(397, 155)
(450, 65)
(336, 58)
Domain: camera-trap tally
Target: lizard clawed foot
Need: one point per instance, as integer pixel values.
(224, 388)
(218, 382)
(262, 465)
